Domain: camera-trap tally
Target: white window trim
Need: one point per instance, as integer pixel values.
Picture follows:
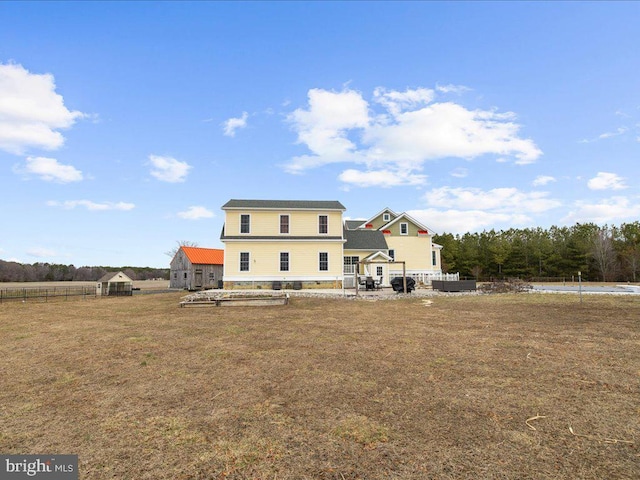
(406, 224)
(386, 217)
(328, 265)
(240, 224)
(280, 262)
(280, 223)
(323, 215)
(240, 262)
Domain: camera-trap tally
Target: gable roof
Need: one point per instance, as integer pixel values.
(364, 240)
(117, 276)
(204, 256)
(386, 257)
(407, 217)
(384, 210)
(284, 205)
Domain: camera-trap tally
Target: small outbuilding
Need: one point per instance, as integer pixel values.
(195, 268)
(114, 284)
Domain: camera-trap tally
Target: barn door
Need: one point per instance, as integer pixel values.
(198, 279)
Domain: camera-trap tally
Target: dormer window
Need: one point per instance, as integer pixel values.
(386, 217)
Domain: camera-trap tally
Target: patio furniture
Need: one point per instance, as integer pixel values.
(397, 285)
(370, 283)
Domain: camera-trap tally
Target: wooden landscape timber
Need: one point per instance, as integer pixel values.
(215, 299)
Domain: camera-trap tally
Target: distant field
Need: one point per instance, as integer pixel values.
(526, 386)
(142, 284)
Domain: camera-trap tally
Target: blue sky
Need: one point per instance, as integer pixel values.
(125, 126)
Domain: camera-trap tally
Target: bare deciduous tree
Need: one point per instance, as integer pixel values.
(180, 243)
(604, 253)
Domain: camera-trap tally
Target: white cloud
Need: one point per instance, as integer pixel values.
(323, 128)
(498, 199)
(612, 210)
(50, 170)
(606, 181)
(461, 210)
(603, 136)
(452, 88)
(196, 213)
(380, 178)
(462, 221)
(396, 102)
(619, 131)
(31, 112)
(344, 127)
(168, 169)
(91, 206)
(542, 180)
(460, 172)
(233, 124)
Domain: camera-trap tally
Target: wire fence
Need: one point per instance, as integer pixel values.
(39, 294)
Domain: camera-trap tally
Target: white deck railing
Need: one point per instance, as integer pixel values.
(425, 278)
(421, 278)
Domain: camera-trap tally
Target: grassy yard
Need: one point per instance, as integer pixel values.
(479, 387)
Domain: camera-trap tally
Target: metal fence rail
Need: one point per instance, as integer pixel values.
(39, 294)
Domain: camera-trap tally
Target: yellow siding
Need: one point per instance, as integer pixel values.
(265, 259)
(267, 223)
(414, 250)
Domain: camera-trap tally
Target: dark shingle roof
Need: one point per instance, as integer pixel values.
(364, 240)
(353, 224)
(285, 204)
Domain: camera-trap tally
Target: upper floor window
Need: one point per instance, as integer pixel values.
(434, 259)
(284, 223)
(284, 261)
(404, 228)
(323, 224)
(392, 253)
(245, 223)
(386, 217)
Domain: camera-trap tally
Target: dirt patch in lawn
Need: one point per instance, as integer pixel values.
(509, 386)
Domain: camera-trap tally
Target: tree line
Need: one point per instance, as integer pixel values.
(45, 272)
(599, 253)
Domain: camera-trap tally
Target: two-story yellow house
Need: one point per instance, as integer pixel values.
(282, 244)
(306, 244)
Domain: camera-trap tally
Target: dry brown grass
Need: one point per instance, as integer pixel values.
(327, 389)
